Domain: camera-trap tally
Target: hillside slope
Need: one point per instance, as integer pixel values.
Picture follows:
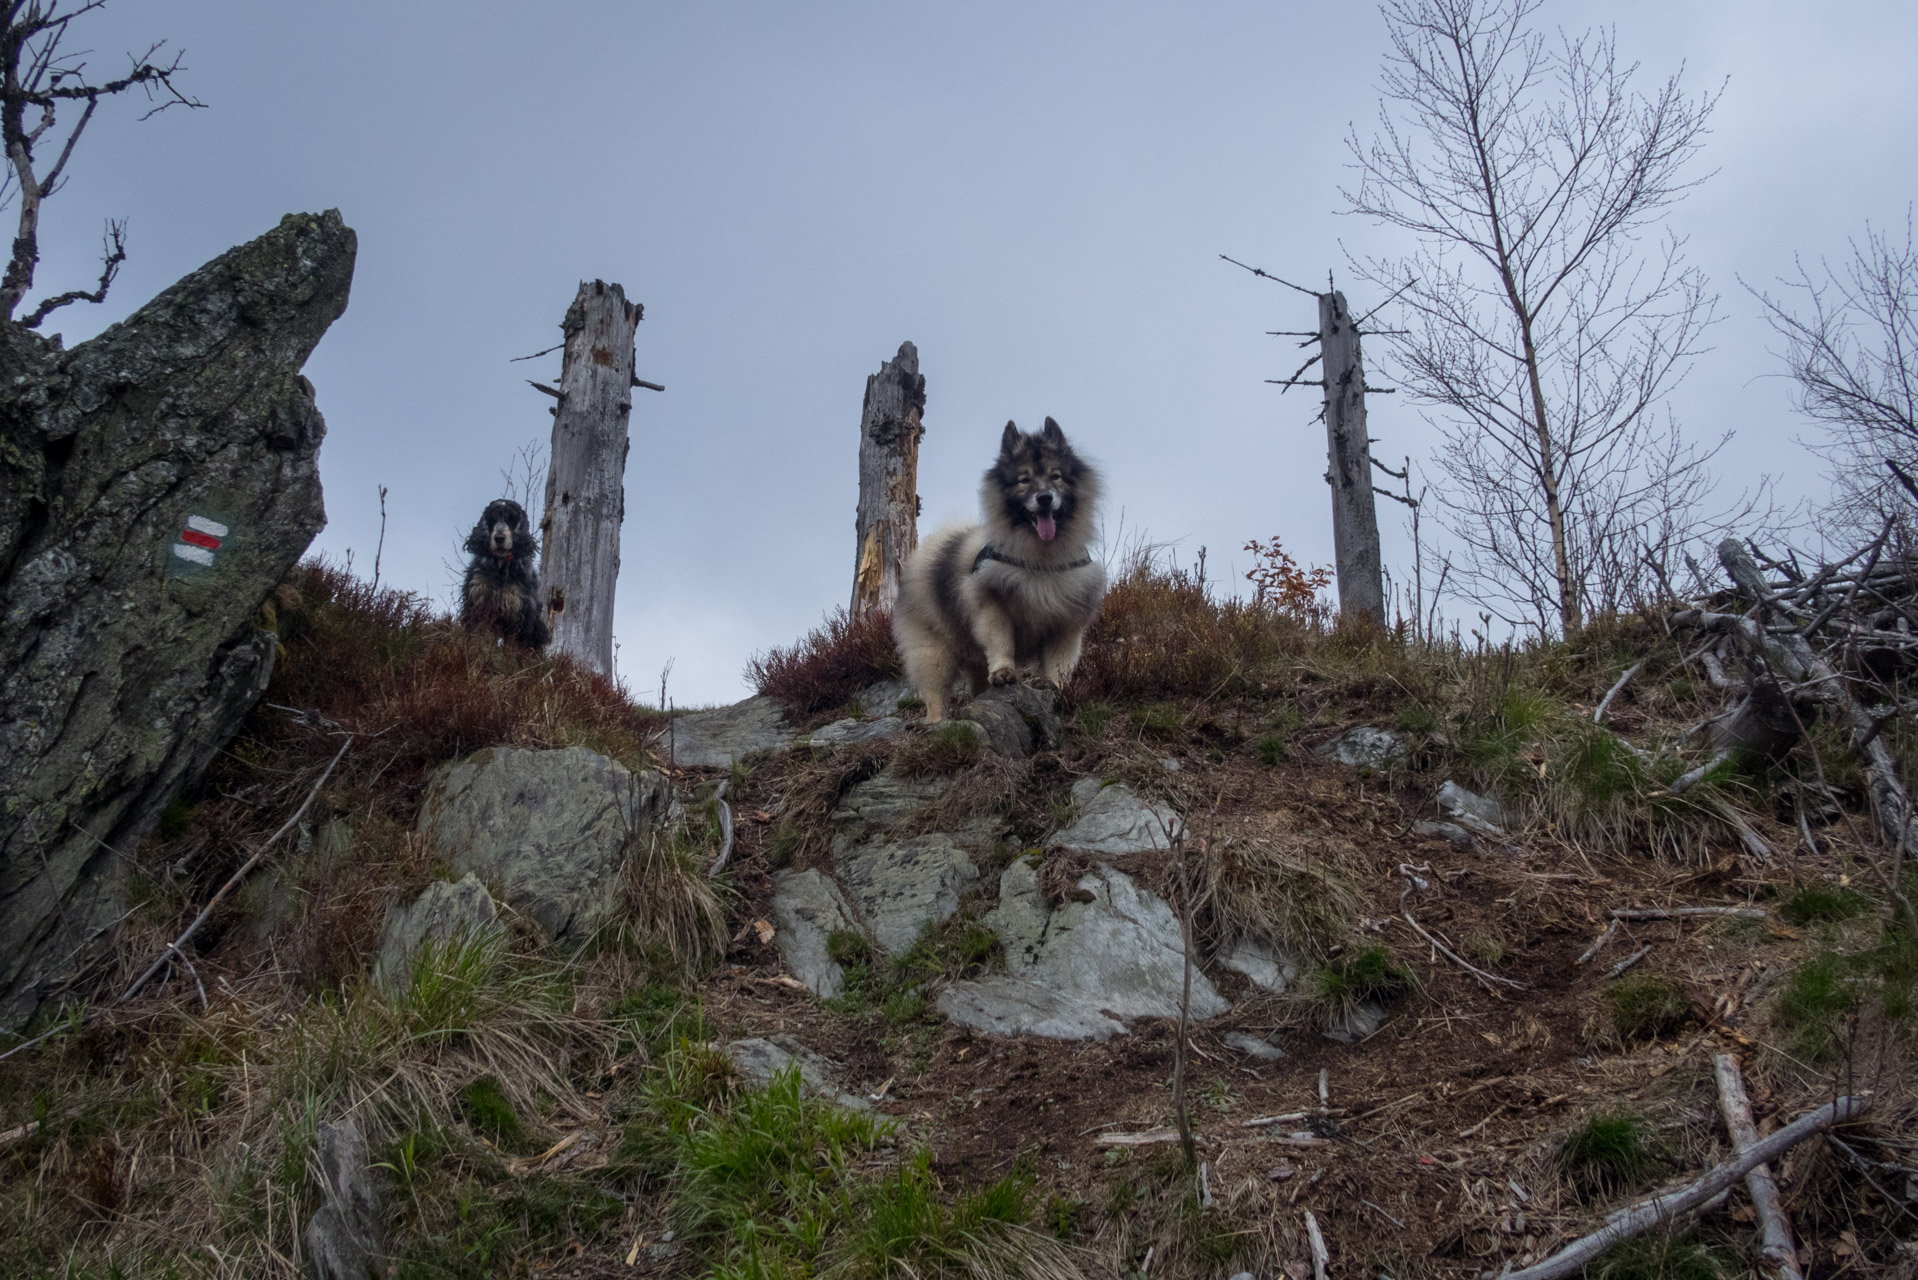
(602, 1108)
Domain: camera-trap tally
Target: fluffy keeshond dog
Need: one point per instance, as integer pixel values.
(500, 593)
(1012, 595)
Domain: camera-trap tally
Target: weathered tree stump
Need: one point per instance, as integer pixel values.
(586, 477)
(1355, 521)
(887, 523)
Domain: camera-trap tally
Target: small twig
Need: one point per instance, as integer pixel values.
(1267, 275)
(1485, 979)
(173, 948)
(1383, 1214)
(1678, 913)
(1603, 938)
(1630, 960)
(1598, 716)
(1658, 1210)
(537, 354)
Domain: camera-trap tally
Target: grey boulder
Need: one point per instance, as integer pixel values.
(444, 911)
(1113, 822)
(844, 733)
(902, 886)
(715, 739)
(1367, 747)
(1474, 812)
(549, 829)
(1018, 718)
(808, 908)
(346, 1236)
(758, 1060)
(1084, 969)
(1252, 1046)
(1267, 968)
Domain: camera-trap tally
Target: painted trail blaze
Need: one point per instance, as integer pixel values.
(199, 540)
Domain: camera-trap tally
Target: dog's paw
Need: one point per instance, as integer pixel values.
(1002, 676)
(1043, 681)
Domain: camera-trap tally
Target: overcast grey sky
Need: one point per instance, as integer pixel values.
(1033, 193)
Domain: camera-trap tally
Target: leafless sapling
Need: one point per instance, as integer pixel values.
(1526, 170)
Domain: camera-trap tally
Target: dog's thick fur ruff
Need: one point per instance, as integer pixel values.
(500, 593)
(999, 599)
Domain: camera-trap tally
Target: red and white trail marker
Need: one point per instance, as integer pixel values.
(199, 540)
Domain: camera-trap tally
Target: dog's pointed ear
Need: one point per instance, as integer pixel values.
(1052, 435)
(1010, 440)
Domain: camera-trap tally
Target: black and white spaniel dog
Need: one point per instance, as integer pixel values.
(501, 590)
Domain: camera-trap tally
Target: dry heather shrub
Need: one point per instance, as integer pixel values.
(1162, 634)
(831, 665)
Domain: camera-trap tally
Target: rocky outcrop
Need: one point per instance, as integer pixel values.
(156, 483)
(715, 739)
(346, 1237)
(808, 908)
(445, 911)
(548, 829)
(1113, 822)
(1367, 747)
(1084, 969)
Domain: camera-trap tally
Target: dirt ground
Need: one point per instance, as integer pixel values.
(1431, 1146)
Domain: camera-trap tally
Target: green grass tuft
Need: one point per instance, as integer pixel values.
(1645, 1006)
(1094, 716)
(1662, 1256)
(488, 1110)
(1816, 1005)
(1271, 747)
(1824, 902)
(1608, 1153)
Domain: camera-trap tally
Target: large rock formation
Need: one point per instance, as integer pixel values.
(156, 483)
(550, 829)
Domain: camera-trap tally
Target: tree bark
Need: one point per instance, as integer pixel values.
(1355, 522)
(887, 523)
(586, 481)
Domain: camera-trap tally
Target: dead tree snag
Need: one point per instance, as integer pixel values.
(586, 479)
(887, 523)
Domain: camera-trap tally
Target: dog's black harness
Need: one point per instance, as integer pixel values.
(990, 552)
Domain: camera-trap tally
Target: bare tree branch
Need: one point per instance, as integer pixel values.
(35, 75)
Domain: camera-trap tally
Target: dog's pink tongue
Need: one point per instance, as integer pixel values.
(1046, 526)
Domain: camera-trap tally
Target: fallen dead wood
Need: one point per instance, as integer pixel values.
(1630, 960)
(1145, 1138)
(1598, 716)
(1637, 1218)
(1777, 1257)
(1321, 1256)
(1611, 931)
(1679, 913)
